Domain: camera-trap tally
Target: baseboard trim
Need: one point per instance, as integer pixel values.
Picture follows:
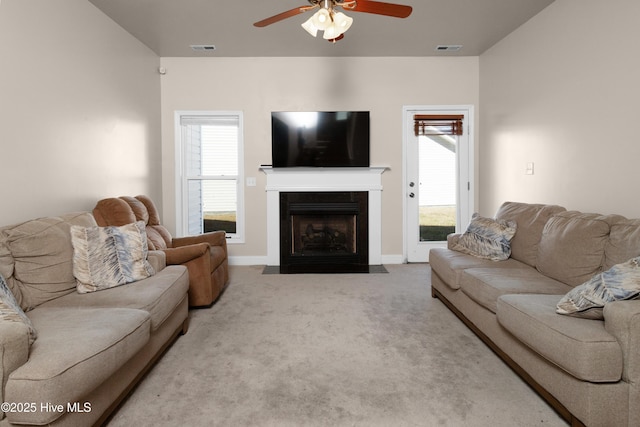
(247, 260)
(393, 259)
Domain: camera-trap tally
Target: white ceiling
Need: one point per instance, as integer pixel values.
(169, 27)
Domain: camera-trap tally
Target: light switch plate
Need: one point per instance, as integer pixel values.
(529, 170)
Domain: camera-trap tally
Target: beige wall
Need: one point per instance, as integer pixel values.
(258, 86)
(79, 110)
(562, 91)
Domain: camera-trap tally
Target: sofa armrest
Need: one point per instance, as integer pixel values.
(214, 238)
(158, 260)
(622, 320)
(452, 239)
(14, 351)
(184, 254)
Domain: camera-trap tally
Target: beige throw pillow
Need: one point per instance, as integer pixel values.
(487, 238)
(10, 310)
(106, 257)
(620, 282)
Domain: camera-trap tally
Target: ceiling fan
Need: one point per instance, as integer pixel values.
(333, 22)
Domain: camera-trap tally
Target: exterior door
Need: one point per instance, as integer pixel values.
(438, 179)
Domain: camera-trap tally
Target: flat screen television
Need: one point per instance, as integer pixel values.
(320, 139)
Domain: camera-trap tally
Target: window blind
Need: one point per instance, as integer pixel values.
(438, 124)
(221, 120)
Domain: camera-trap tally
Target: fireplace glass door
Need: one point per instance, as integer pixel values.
(323, 235)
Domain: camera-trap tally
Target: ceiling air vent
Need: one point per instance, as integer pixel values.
(203, 47)
(448, 47)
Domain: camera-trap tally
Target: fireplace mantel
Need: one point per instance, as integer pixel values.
(324, 179)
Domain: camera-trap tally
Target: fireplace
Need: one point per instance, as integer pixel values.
(324, 232)
(324, 180)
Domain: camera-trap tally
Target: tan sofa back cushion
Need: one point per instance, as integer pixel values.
(572, 246)
(530, 220)
(36, 258)
(623, 243)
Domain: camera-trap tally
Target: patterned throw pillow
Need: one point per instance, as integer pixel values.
(620, 282)
(10, 310)
(487, 238)
(106, 257)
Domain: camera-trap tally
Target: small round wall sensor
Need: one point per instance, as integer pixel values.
(162, 70)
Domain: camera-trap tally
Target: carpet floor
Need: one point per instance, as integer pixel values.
(331, 350)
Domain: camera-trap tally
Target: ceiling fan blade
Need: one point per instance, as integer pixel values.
(379, 8)
(281, 16)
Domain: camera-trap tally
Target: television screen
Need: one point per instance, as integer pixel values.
(320, 139)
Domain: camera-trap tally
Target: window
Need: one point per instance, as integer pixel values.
(211, 196)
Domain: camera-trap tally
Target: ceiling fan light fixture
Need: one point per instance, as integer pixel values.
(309, 27)
(340, 37)
(342, 21)
(321, 19)
(331, 32)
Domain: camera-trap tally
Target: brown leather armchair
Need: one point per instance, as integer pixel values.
(205, 256)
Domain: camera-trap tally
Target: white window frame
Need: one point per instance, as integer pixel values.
(181, 178)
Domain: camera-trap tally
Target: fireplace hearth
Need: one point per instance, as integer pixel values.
(324, 232)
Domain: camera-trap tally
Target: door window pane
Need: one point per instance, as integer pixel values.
(437, 187)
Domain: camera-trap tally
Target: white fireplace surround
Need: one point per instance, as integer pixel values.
(324, 179)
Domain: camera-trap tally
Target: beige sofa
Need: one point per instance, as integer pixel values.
(589, 370)
(91, 348)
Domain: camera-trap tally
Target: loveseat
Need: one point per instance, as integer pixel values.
(75, 356)
(587, 368)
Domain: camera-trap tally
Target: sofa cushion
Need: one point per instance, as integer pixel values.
(620, 282)
(623, 243)
(37, 255)
(531, 219)
(486, 285)
(449, 264)
(487, 238)
(10, 310)
(106, 257)
(582, 348)
(158, 295)
(572, 246)
(77, 350)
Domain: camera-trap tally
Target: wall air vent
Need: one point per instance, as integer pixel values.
(448, 47)
(203, 47)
